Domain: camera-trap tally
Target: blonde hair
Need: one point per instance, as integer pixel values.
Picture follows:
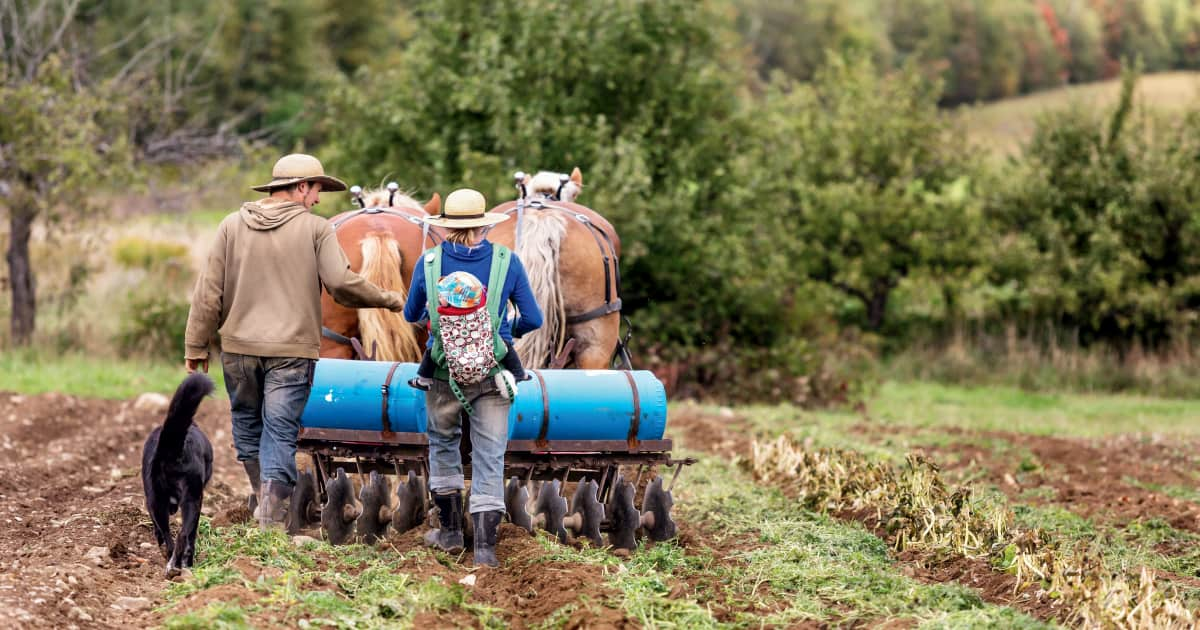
(462, 236)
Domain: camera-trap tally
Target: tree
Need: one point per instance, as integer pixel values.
(59, 136)
(880, 182)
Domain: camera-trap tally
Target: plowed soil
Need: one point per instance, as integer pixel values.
(77, 549)
(76, 538)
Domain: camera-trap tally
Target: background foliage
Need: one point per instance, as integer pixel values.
(794, 198)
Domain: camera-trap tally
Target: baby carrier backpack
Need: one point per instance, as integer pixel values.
(467, 346)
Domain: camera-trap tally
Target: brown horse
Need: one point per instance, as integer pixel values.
(570, 255)
(382, 242)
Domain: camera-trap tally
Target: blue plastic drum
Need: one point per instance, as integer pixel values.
(349, 395)
(589, 405)
(581, 404)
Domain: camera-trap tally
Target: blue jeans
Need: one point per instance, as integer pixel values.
(266, 398)
(489, 439)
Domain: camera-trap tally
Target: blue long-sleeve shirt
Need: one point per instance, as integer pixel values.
(477, 260)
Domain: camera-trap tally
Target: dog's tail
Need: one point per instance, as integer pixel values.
(187, 399)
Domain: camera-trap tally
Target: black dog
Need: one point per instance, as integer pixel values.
(176, 466)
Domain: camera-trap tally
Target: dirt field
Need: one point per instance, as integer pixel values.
(77, 549)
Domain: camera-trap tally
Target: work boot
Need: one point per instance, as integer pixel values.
(273, 505)
(449, 537)
(254, 474)
(486, 524)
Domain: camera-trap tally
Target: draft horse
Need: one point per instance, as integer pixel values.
(383, 241)
(570, 254)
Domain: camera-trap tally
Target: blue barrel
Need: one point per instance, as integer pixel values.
(578, 404)
(589, 405)
(349, 395)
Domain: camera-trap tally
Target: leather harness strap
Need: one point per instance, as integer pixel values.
(333, 336)
(612, 270)
(386, 391)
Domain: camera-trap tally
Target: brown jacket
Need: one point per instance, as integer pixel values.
(262, 284)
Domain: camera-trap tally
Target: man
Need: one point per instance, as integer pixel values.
(261, 288)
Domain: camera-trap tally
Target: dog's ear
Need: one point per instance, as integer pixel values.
(577, 176)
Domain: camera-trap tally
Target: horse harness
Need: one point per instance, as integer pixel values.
(612, 304)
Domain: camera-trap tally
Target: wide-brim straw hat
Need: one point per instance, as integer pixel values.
(465, 208)
(297, 168)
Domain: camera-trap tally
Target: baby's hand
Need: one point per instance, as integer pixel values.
(442, 300)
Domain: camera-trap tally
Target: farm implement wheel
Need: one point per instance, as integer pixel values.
(376, 509)
(410, 504)
(587, 513)
(303, 509)
(340, 510)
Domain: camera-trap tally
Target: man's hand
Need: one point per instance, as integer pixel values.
(193, 364)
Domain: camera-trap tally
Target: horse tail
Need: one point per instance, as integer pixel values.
(384, 332)
(542, 235)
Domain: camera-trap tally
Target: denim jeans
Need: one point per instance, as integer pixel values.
(266, 398)
(489, 439)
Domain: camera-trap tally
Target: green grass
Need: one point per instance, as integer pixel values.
(932, 405)
(314, 586)
(1003, 126)
(30, 372)
(782, 565)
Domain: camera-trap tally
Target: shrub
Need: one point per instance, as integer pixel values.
(154, 326)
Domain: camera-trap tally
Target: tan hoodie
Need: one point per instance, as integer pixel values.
(262, 284)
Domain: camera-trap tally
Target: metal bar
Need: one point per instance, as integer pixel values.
(361, 436)
(587, 446)
(678, 467)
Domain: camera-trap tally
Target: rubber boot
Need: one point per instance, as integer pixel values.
(486, 524)
(448, 537)
(254, 474)
(273, 505)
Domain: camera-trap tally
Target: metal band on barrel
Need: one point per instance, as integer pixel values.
(635, 421)
(386, 390)
(541, 438)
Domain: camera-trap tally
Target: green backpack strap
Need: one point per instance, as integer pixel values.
(501, 259)
(433, 271)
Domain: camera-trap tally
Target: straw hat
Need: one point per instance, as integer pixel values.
(298, 167)
(465, 208)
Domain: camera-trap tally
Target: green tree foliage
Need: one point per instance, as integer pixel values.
(879, 181)
(1102, 234)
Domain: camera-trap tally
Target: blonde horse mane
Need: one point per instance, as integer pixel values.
(378, 198)
(547, 182)
(542, 234)
(384, 332)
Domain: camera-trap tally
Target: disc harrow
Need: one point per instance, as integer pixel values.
(572, 487)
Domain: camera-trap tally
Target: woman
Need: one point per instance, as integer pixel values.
(466, 248)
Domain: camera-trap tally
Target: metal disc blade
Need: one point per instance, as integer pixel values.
(340, 492)
(370, 525)
(515, 498)
(410, 504)
(658, 502)
(623, 516)
(303, 502)
(585, 503)
(554, 508)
